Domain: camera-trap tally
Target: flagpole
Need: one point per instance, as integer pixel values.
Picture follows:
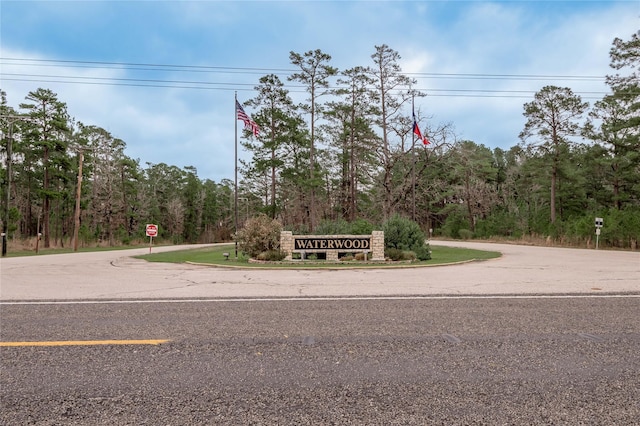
(235, 201)
(413, 161)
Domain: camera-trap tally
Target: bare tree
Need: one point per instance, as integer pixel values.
(392, 92)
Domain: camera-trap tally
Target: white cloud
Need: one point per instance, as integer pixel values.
(194, 127)
(158, 126)
(500, 39)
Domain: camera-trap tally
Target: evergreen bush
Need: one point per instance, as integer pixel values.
(423, 253)
(403, 234)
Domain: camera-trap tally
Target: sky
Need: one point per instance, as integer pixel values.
(162, 75)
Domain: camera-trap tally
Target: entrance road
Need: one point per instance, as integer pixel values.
(116, 275)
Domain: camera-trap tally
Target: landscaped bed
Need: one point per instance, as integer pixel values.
(215, 256)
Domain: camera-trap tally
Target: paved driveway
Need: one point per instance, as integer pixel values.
(116, 275)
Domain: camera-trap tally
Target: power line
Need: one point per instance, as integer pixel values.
(98, 83)
(139, 66)
(228, 86)
(240, 70)
(199, 85)
(509, 76)
(81, 79)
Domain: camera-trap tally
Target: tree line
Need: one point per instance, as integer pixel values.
(346, 153)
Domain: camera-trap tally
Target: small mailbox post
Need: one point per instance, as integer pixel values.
(599, 223)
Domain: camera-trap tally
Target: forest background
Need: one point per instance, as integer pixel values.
(349, 154)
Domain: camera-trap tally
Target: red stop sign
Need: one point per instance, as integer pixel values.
(152, 230)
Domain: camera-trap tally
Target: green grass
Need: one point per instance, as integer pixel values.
(214, 256)
(443, 255)
(58, 250)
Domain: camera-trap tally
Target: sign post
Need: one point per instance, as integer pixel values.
(152, 231)
(599, 223)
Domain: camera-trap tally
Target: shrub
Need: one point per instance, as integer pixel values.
(260, 234)
(361, 227)
(465, 234)
(408, 255)
(394, 254)
(454, 223)
(499, 222)
(423, 253)
(272, 255)
(403, 234)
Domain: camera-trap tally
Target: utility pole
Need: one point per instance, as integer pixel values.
(76, 218)
(5, 217)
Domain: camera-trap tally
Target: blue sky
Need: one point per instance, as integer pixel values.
(226, 46)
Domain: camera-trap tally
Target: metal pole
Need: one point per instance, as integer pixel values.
(413, 163)
(38, 234)
(235, 125)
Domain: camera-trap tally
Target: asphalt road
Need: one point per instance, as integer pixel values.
(540, 336)
(405, 362)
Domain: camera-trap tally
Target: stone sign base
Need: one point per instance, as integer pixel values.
(333, 245)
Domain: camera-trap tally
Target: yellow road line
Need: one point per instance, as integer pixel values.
(84, 343)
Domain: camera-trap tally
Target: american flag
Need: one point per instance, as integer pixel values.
(248, 122)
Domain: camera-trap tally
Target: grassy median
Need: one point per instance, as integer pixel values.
(216, 256)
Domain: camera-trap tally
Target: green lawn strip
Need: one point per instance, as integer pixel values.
(215, 256)
(65, 250)
(445, 255)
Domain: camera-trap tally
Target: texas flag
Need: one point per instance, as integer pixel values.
(417, 132)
